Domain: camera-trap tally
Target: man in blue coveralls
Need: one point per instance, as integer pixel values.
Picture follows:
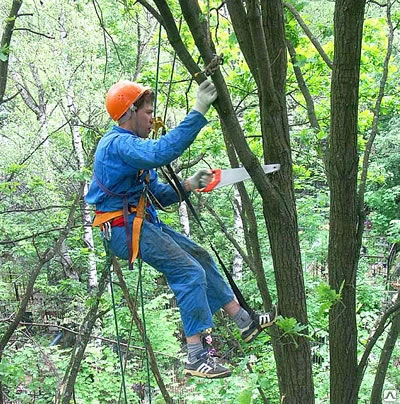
(124, 166)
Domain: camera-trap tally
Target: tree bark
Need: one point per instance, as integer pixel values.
(66, 390)
(80, 158)
(309, 34)
(86, 212)
(5, 45)
(303, 87)
(386, 354)
(342, 169)
(237, 262)
(250, 228)
(266, 32)
(184, 219)
(66, 263)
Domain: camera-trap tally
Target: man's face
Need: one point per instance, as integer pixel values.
(142, 120)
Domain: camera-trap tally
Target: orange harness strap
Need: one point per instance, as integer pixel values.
(105, 217)
(137, 227)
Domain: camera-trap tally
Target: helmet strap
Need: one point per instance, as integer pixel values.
(127, 115)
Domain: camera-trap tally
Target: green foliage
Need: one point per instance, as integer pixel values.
(29, 374)
(327, 297)
(291, 328)
(4, 51)
(39, 177)
(394, 231)
(384, 203)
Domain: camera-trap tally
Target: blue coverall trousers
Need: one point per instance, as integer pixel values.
(191, 272)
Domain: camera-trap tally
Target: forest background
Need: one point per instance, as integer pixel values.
(311, 85)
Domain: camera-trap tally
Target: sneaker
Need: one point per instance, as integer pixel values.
(206, 366)
(260, 321)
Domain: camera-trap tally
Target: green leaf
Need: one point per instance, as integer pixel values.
(4, 53)
(327, 297)
(245, 397)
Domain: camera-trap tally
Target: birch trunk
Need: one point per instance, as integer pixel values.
(237, 263)
(184, 219)
(80, 158)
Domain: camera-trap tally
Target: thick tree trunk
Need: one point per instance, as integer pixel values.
(252, 30)
(267, 24)
(342, 169)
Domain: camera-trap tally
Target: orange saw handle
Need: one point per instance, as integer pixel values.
(214, 182)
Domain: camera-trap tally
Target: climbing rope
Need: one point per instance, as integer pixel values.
(140, 265)
(119, 351)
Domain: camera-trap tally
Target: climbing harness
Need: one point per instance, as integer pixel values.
(106, 220)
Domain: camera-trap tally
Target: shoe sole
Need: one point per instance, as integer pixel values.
(207, 375)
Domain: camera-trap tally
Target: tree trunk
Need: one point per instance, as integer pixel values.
(80, 158)
(65, 391)
(384, 360)
(184, 219)
(67, 263)
(5, 45)
(237, 262)
(262, 40)
(342, 169)
(250, 231)
(86, 217)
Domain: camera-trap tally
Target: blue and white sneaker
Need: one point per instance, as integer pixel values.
(260, 321)
(206, 366)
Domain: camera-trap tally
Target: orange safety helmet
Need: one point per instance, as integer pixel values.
(121, 96)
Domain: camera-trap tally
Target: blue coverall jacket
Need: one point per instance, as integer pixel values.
(190, 270)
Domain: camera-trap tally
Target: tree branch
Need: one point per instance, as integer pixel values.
(373, 340)
(34, 32)
(34, 235)
(106, 34)
(376, 110)
(309, 34)
(303, 87)
(5, 45)
(61, 327)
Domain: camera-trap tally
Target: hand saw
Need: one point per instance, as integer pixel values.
(231, 176)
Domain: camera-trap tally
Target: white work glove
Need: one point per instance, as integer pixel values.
(199, 180)
(206, 95)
